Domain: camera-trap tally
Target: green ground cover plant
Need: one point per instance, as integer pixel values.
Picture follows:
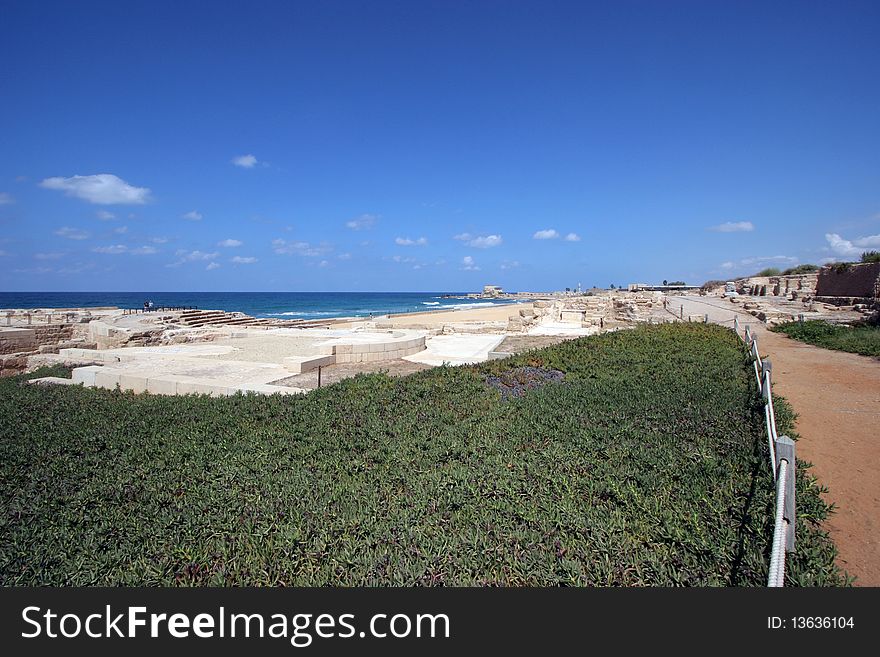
(862, 339)
(645, 464)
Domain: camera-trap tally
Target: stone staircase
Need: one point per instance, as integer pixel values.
(201, 318)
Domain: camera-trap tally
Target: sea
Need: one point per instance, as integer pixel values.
(282, 305)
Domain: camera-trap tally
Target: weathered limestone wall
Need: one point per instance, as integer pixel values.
(18, 344)
(16, 340)
(53, 333)
(795, 286)
(856, 280)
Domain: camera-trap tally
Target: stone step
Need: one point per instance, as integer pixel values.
(53, 380)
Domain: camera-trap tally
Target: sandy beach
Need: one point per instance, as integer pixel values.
(436, 318)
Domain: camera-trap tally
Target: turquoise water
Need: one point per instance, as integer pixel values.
(281, 305)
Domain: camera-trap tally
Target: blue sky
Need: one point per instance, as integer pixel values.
(420, 146)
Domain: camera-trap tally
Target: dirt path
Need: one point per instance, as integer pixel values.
(837, 398)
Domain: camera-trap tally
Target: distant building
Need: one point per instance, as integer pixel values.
(492, 291)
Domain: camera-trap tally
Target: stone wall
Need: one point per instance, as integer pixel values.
(795, 286)
(17, 344)
(17, 340)
(10, 365)
(53, 333)
(855, 280)
(377, 351)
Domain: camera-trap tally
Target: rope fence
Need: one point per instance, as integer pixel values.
(783, 464)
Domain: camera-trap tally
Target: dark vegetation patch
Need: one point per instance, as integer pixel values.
(647, 466)
(517, 381)
(860, 339)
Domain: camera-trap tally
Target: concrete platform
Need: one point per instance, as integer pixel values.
(185, 376)
(249, 362)
(457, 349)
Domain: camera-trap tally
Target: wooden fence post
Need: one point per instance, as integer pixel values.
(785, 451)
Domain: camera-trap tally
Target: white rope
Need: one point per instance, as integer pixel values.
(776, 576)
(772, 413)
(772, 442)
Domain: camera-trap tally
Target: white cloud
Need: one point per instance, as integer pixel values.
(239, 260)
(101, 189)
(103, 215)
(510, 264)
(468, 264)
(362, 222)
(158, 240)
(192, 256)
(851, 248)
(402, 259)
(283, 247)
(733, 227)
(72, 233)
(6, 199)
(211, 266)
(547, 234)
(245, 161)
(116, 249)
(323, 263)
(344, 256)
(572, 237)
(48, 256)
(753, 264)
(406, 241)
(121, 230)
(113, 249)
(479, 242)
(78, 268)
(230, 243)
(192, 215)
(485, 242)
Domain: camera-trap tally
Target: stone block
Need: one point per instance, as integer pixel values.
(86, 375)
(53, 380)
(162, 386)
(105, 378)
(133, 382)
(195, 387)
(300, 364)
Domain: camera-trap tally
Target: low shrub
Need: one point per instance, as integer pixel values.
(645, 465)
(860, 339)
